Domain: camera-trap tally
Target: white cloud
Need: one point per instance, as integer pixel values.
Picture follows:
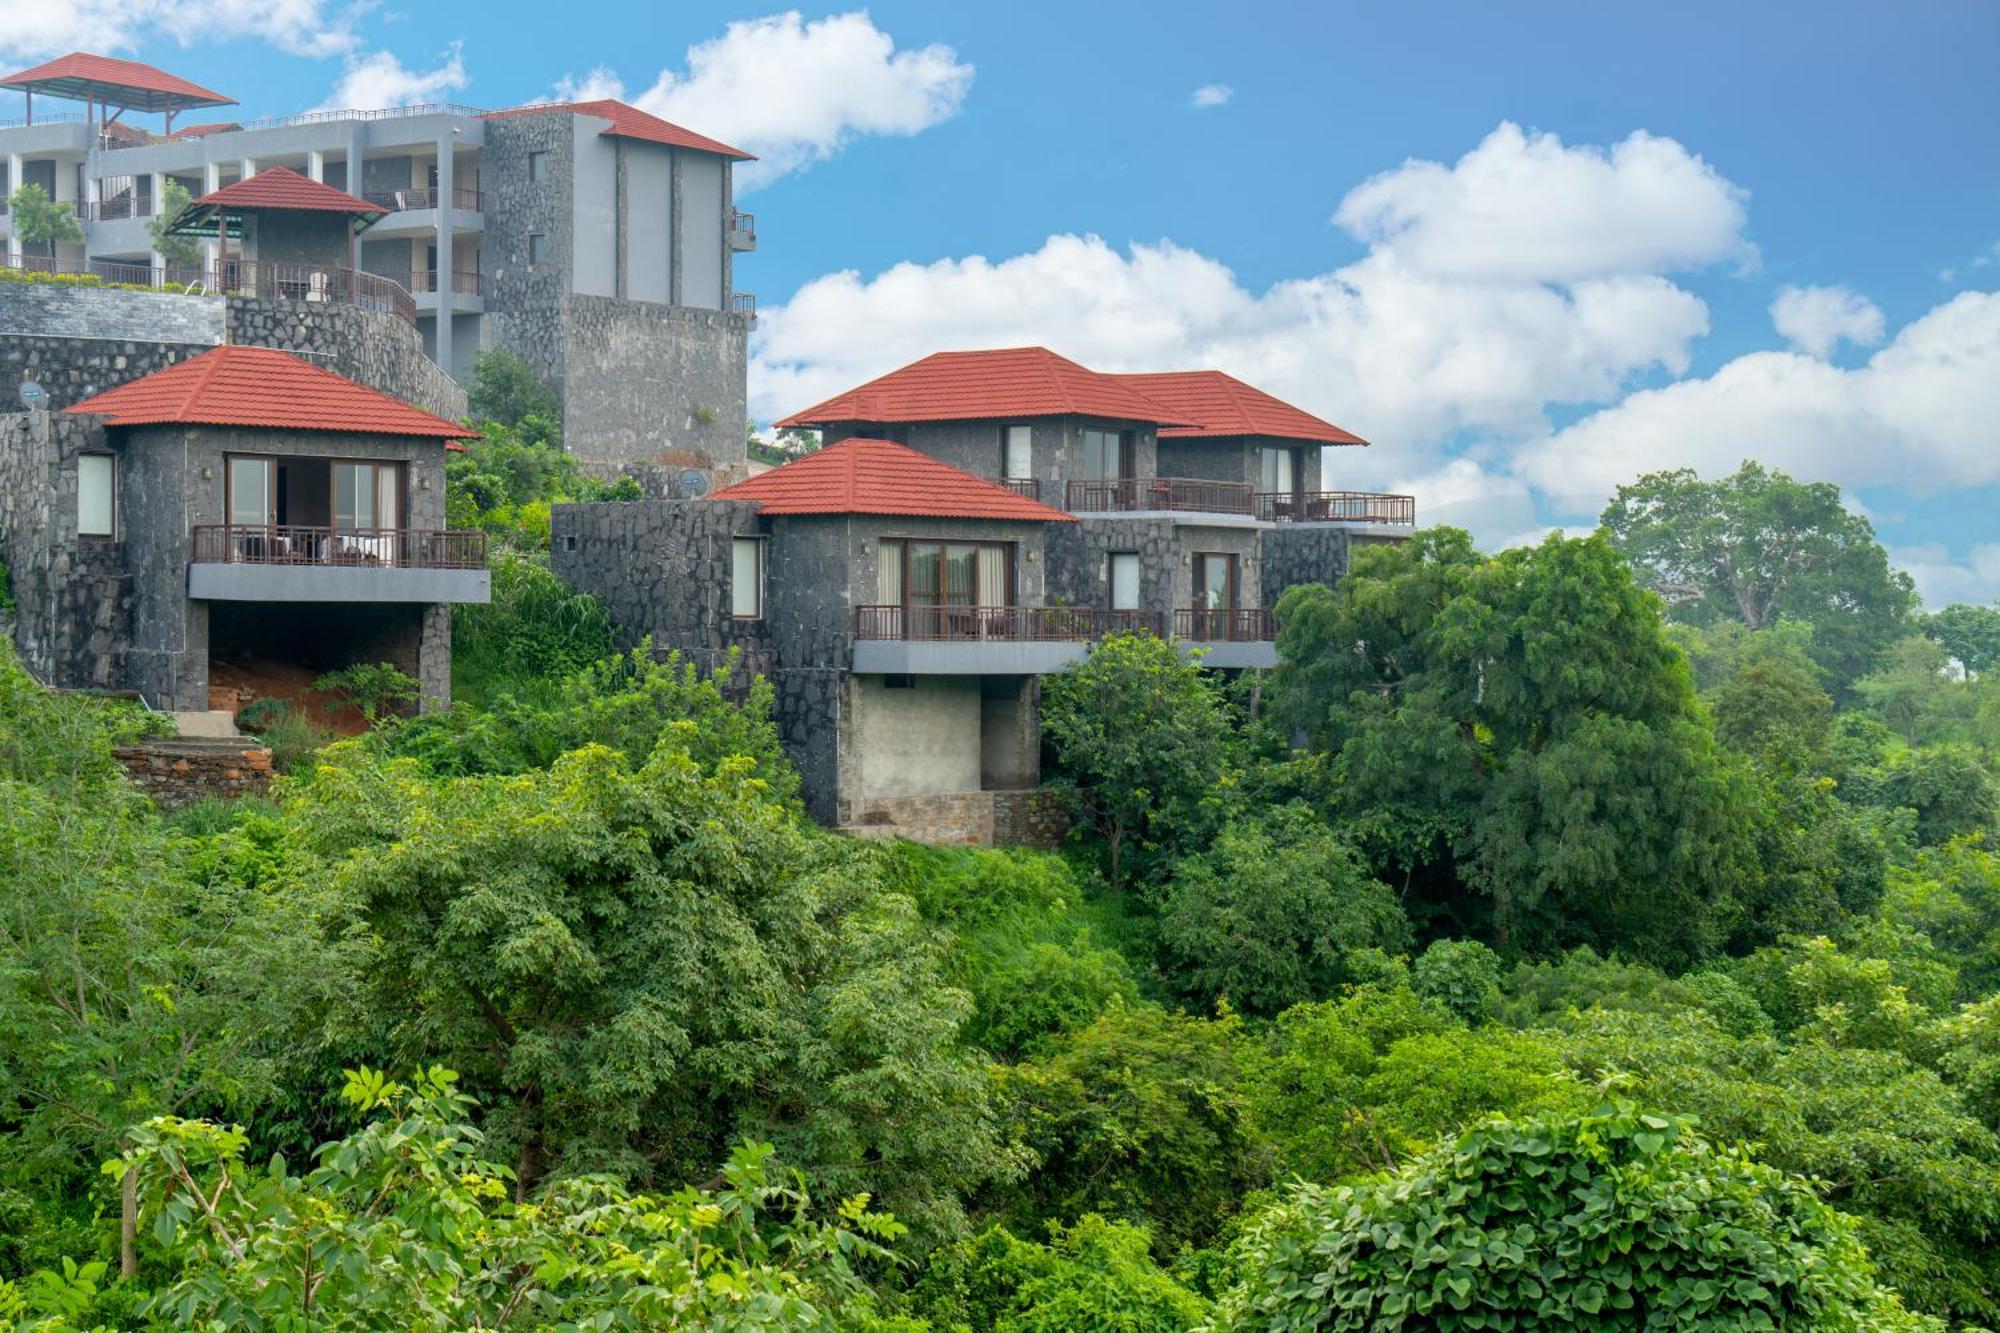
(1941, 580)
(378, 79)
(795, 92)
(1528, 208)
(1919, 414)
(36, 30)
(1815, 320)
(1212, 94)
(600, 83)
(1398, 345)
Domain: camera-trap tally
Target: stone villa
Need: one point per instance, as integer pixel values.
(980, 518)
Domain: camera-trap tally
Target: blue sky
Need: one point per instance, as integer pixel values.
(1487, 319)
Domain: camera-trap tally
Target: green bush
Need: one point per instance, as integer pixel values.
(1462, 975)
(1092, 1275)
(1615, 1219)
(292, 737)
(533, 633)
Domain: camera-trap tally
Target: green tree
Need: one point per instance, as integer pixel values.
(634, 959)
(179, 252)
(1758, 546)
(404, 1223)
(1516, 742)
(39, 221)
(1971, 634)
(505, 390)
(1614, 1219)
(1461, 975)
(376, 688)
(1091, 1275)
(1147, 750)
(1269, 915)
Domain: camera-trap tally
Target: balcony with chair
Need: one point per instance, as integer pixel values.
(290, 562)
(1157, 495)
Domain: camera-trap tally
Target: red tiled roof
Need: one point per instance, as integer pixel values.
(282, 189)
(858, 476)
(260, 386)
(128, 83)
(203, 131)
(979, 386)
(629, 122)
(1224, 405)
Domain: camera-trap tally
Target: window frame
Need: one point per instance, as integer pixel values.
(538, 243)
(111, 497)
(1199, 583)
(906, 551)
(1125, 463)
(1006, 452)
(738, 542)
(538, 166)
(1111, 559)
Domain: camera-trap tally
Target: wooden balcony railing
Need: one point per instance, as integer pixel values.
(1028, 486)
(311, 282)
(1232, 625)
(1335, 507)
(1177, 494)
(295, 544)
(402, 201)
(1017, 624)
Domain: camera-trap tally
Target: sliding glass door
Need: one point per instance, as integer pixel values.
(945, 589)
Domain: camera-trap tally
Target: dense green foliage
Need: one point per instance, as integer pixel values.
(1557, 904)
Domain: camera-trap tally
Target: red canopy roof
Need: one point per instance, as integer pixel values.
(1224, 405)
(81, 76)
(261, 386)
(858, 476)
(978, 386)
(629, 122)
(281, 189)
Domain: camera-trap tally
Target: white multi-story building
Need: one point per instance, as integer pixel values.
(594, 240)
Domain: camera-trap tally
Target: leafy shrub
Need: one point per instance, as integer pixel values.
(1270, 915)
(1614, 1219)
(533, 633)
(1462, 975)
(1092, 1275)
(376, 688)
(292, 737)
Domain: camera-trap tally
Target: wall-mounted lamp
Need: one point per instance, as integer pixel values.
(208, 474)
(423, 483)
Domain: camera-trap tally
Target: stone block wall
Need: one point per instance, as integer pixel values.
(969, 819)
(1295, 553)
(664, 384)
(48, 310)
(373, 347)
(179, 771)
(74, 597)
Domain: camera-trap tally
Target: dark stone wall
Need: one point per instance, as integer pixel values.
(46, 310)
(523, 303)
(179, 772)
(74, 598)
(303, 238)
(1235, 458)
(1297, 553)
(665, 384)
(372, 347)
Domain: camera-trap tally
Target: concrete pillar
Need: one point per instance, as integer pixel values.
(316, 165)
(246, 168)
(13, 184)
(211, 181)
(442, 281)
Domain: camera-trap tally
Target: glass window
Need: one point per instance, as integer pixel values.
(538, 246)
(993, 580)
(1124, 580)
(1104, 453)
(1214, 582)
(251, 501)
(538, 166)
(947, 574)
(1019, 462)
(96, 495)
(746, 586)
(1276, 469)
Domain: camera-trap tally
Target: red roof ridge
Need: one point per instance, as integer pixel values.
(234, 385)
(989, 384)
(859, 475)
(629, 122)
(1227, 406)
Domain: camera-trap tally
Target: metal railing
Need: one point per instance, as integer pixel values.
(1336, 507)
(297, 544)
(42, 118)
(137, 275)
(380, 113)
(399, 201)
(311, 282)
(115, 209)
(1012, 624)
(1177, 494)
(1028, 486)
(426, 280)
(744, 304)
(1225, 625)
(742, 229)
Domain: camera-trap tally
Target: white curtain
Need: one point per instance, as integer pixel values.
(746, 585)
(1124, 580)
(993, 576)
(95, 508)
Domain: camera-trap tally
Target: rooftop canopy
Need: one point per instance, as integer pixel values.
(260, 386)
(858, 476)
(272, 190)
(126, 85)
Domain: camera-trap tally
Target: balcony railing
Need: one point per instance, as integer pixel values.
(137, 275)
(1231, 625)
(115, 209)
(1016, 624)
(311, 282)
(1175, 494)
(1336, 507)
(744, 304)
(1028, 486)
(426, 280)
(401, 201)
(742, 230)
(294, 544)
